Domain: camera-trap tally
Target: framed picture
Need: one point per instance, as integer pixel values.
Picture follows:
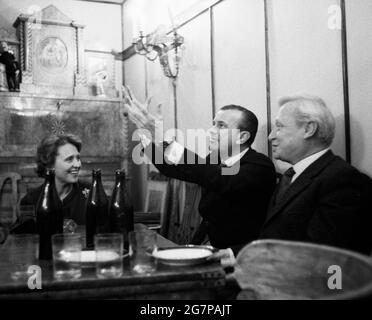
(156, 196)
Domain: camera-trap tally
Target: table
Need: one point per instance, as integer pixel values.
(193, 282)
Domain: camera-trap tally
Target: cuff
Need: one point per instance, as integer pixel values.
(228, 261)
(174, 152)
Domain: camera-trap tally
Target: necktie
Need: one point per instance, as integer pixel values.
(284, 184)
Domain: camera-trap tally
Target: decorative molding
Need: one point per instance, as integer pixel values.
(268, 80)
(21, 32)
(213, 80)
(27, 74)
(50, 15)
(345, 78)
(42, 75)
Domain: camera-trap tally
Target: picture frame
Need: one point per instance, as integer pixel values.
(156, 196)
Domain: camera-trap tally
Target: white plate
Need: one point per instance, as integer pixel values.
(183, 255)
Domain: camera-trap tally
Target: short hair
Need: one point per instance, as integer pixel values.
(48, 148)
(248, 121)
(313, 109)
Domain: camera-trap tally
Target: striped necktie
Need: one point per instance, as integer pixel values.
(284, 183)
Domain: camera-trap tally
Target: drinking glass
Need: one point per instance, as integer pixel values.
(24, 252)
(67, 256)
(109, 251)
(142, 245)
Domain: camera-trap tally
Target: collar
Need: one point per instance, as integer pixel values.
(301, 166)
(234, 159)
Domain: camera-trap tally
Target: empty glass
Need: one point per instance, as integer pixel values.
(142, 245)
(67, 256)
(109, 251)
(24, 252)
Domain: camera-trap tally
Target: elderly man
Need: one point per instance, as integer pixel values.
(233, 203)
(320, 198)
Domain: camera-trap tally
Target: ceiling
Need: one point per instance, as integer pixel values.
(106, 1)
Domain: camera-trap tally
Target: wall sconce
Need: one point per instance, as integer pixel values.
(158, 45)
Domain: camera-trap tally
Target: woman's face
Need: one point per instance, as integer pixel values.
(67, 164)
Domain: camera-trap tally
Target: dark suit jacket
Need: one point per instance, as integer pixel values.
(233, 207)
(329, 203)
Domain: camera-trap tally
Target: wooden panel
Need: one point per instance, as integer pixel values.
(306, 57)
(359, 31)
(24, 121)
(239, 64)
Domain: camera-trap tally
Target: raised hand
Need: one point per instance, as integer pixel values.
(139, 113)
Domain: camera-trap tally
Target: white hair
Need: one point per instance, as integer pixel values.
(313, 109)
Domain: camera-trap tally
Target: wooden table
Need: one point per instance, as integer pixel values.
(198, 282)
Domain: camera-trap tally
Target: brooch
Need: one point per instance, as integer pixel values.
(85, 192)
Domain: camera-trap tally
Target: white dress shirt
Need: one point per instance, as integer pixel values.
(301, 166)
(175, 151)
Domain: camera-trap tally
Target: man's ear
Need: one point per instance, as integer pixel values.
(244, 137)
(310, 129)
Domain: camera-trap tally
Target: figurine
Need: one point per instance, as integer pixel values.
(13, 72)
(101, 77)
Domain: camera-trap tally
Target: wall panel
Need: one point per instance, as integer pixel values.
(239, 51)
(135, 79)
(161, 90)
(194, 97)
(306, 57)
(359, 35)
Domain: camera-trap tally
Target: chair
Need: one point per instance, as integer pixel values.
(9, 202)
(275, 269)
(183, 218)
(155, 205)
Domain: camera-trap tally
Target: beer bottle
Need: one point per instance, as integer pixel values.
(121, 209)
(97, 219)
(49, 215)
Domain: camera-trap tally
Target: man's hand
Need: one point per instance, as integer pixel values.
(139, 113)
(225, 256)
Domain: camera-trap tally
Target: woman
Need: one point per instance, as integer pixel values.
(61, 153)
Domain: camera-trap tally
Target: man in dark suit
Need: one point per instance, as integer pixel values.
(326, 201)
(320, 198)
(237, 182)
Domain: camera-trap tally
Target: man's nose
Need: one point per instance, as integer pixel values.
(272, 135)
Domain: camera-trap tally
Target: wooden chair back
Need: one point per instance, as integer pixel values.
(275, 269)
